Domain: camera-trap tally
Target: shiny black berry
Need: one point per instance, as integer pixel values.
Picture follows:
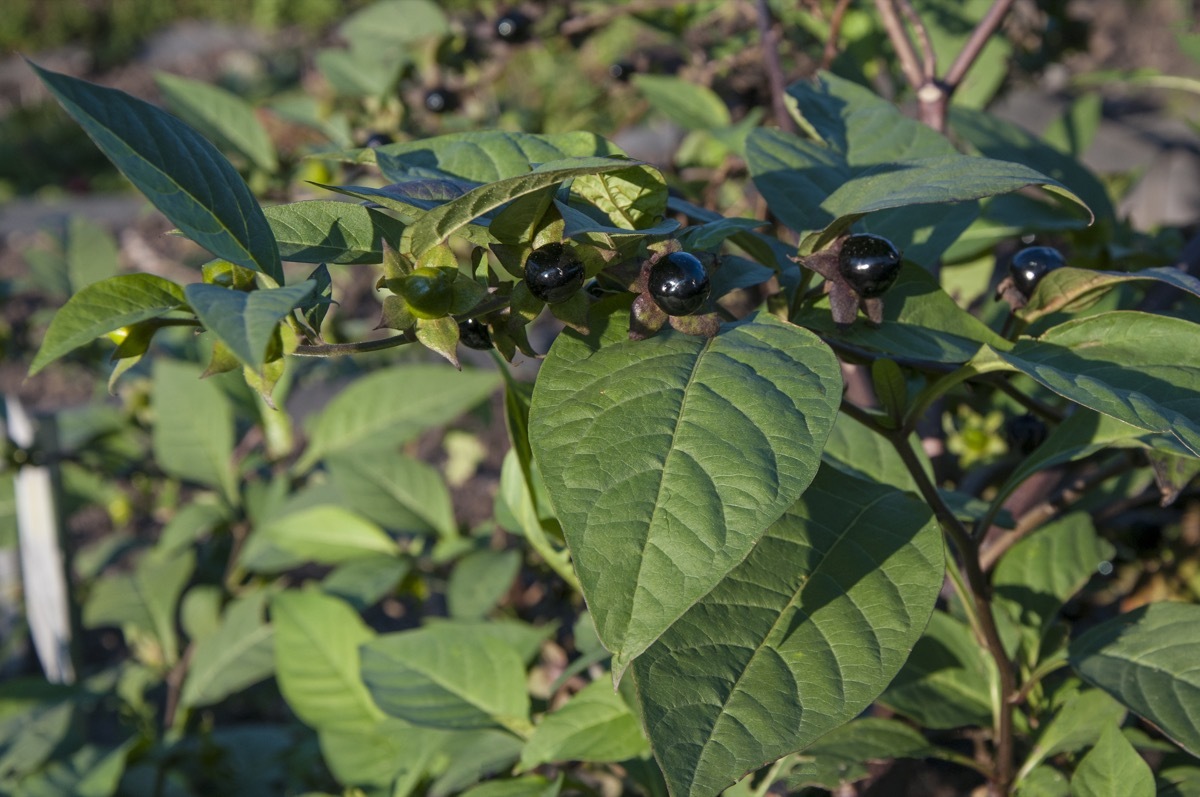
(377, 140)
(870, 264)
(440, 100)
(1024, 433)
(678, 284)
(474, 334)
(514, 27)
(553, 273)
(1031, 264)
(621, 71)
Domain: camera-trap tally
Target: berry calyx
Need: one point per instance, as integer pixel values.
(514, 27)
(553, 273)
(678, 284)
(870, 264)
(440, 100)
(474, 334)
(1031, 264)
(428, 292)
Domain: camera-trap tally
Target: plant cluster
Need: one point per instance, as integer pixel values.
(719, 558)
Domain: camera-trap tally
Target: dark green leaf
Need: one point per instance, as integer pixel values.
(798, 639)
(843, 755)
(666, 459)
(104, 307)
(1146, 659)
(180, 172)
(322, 231)
(243, 321)
(1074, 289)
(224, 117)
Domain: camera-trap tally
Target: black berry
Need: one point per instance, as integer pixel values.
(1031, 264)
(553, 273)
(474, 334)
(440, 100)
(870, 264)
(377, 140)
(678, 284)
(1024, 433)
(621, 71)
(514, 27)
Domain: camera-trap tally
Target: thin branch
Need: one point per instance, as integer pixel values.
(768, 38)
(898, 35)
(835, 30)
(974, 46)
(928, 56)
(358, 347)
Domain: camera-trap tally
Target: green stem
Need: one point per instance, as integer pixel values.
(358, 347)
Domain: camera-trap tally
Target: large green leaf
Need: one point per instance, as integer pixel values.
(483, 156)
(317, 662)
(666, 459)
(103, 307)
(1124, 364)
(145, 599)
(594, 725)
(1074, 289)
(1038, 574)
(997, 138)
(325, 534)
(392, 406)
(444, 220)
(244, 321)
(178, 170)
(239, 653)
(438, 677)
(945, 682)
(193, 427)
(1146, 659)
(224, 117)
(324, 231)
(798, 639)
(395, 491)
(1112, 769)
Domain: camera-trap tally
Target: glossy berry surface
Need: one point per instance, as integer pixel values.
(1031, 264)
(870, 264)
(514, 27)
(1024, 433)
(428, 292)
(553, 273)
(678, 284)
(377, 140)
(440, 100)
(474, 334)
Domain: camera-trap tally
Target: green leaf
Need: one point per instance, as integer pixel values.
(222, 116)
(524, 638)
(1074, 289)
(35, 718)
(361, 71)
(364, 582)
(1044, 781)
(595, 725)
(1146, 659)
(193, 427)
(395, 23)
(844, 754)
(474, 755)
(243, 321)
(325, 534)
(180, 172)
(631, 198)
(390, 407)
(392, 750)
(1041, 572)
(443, 221)
(396, 491)
(104, 307)
(239, 653)
(997, 138)
(145, 599)
(861, 452)
(484, 156)
(91, 253)
(529, 786)
(323, 231)
(1078, 724)
(1125, 365)
(688, 104)
(1112, 769)
(479, 581)
(90, 771)
(798, 639)
(438, 678)
(317, 662)
(667, 459)
(944, 683)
